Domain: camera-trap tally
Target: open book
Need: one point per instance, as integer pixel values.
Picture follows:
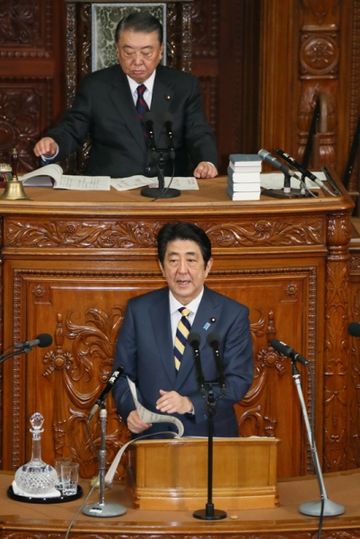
(52, 176)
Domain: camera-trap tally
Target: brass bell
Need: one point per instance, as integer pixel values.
(14, 190)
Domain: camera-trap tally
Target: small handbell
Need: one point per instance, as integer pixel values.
(14, 189)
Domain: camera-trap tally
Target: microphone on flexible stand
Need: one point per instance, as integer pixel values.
(170, 134)
(159, 157)
(324, 507)
(213, 340)
(286, 191)
(304, 171)
(287, 351)
(108, 387)
(42, 341)
(149, 129)
(194, 341)
(209, 512)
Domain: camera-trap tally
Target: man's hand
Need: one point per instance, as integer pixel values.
(205, 170)
(135, 424)
(46, 147)
(171, 402)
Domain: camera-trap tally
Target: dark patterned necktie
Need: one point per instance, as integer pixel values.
(182, 333)
(141, 105)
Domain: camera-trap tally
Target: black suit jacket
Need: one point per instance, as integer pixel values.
(145, 350)
(104, 110)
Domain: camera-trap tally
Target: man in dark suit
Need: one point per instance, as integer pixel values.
(105, 110)
(147, 341)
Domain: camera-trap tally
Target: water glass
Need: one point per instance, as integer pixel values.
(58, 463)
(69, 477)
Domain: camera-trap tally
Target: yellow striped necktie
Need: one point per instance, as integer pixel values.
(182, 333)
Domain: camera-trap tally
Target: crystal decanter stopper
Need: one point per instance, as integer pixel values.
(36, 477)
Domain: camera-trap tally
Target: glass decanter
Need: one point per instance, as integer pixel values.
(36, 477)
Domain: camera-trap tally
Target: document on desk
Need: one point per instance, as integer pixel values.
(134, 182)
(83, 183)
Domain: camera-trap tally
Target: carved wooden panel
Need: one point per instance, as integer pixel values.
(25, 109)
(30, 77)
(83, 311)
(82, 306)
(25, 29)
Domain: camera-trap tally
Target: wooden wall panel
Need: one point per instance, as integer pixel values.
(31, 74)
(64, 278)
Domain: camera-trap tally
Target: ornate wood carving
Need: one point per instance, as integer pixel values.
(24, 109)
(336, 365)
(25, 29)
(105, 234)
(319, 64)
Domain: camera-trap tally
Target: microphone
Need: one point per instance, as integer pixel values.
(287, 351)
(108, 387)
(194, 341)
(295, 164)
(306, 173)
(354, 329)
(266, 156)
(213, 340)
(149, 127)
(170, 135)
(43, 340)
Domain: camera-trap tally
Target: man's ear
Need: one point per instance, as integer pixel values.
(161, 268)
(208, 266)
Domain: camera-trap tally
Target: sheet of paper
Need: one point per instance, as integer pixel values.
(83, 183)
(134, 182)
(151, 417)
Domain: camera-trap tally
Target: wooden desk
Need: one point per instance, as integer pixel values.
(71, 261)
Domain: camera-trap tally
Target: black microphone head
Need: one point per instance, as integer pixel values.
(281, 347)
(213, 339)
(194, 339)
(354, 329)
(44, 340)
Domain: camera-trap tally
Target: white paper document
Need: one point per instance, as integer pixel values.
(151, 417)
(133, 182)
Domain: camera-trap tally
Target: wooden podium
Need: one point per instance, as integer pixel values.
(172, 474)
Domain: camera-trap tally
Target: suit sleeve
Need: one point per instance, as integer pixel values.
(199, 136)
(125, 356)
(74, 127)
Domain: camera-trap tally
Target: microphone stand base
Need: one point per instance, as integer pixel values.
(279, 193)
(159, 192)
(105, 510)
(313, 509)
(209, 513)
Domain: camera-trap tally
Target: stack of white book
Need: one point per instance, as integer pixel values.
(244, 176)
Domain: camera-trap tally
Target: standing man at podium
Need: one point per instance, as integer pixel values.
(111, 105)
(147, 343)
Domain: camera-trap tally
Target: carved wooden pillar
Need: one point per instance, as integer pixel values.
(336, 357)
(319, 76)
